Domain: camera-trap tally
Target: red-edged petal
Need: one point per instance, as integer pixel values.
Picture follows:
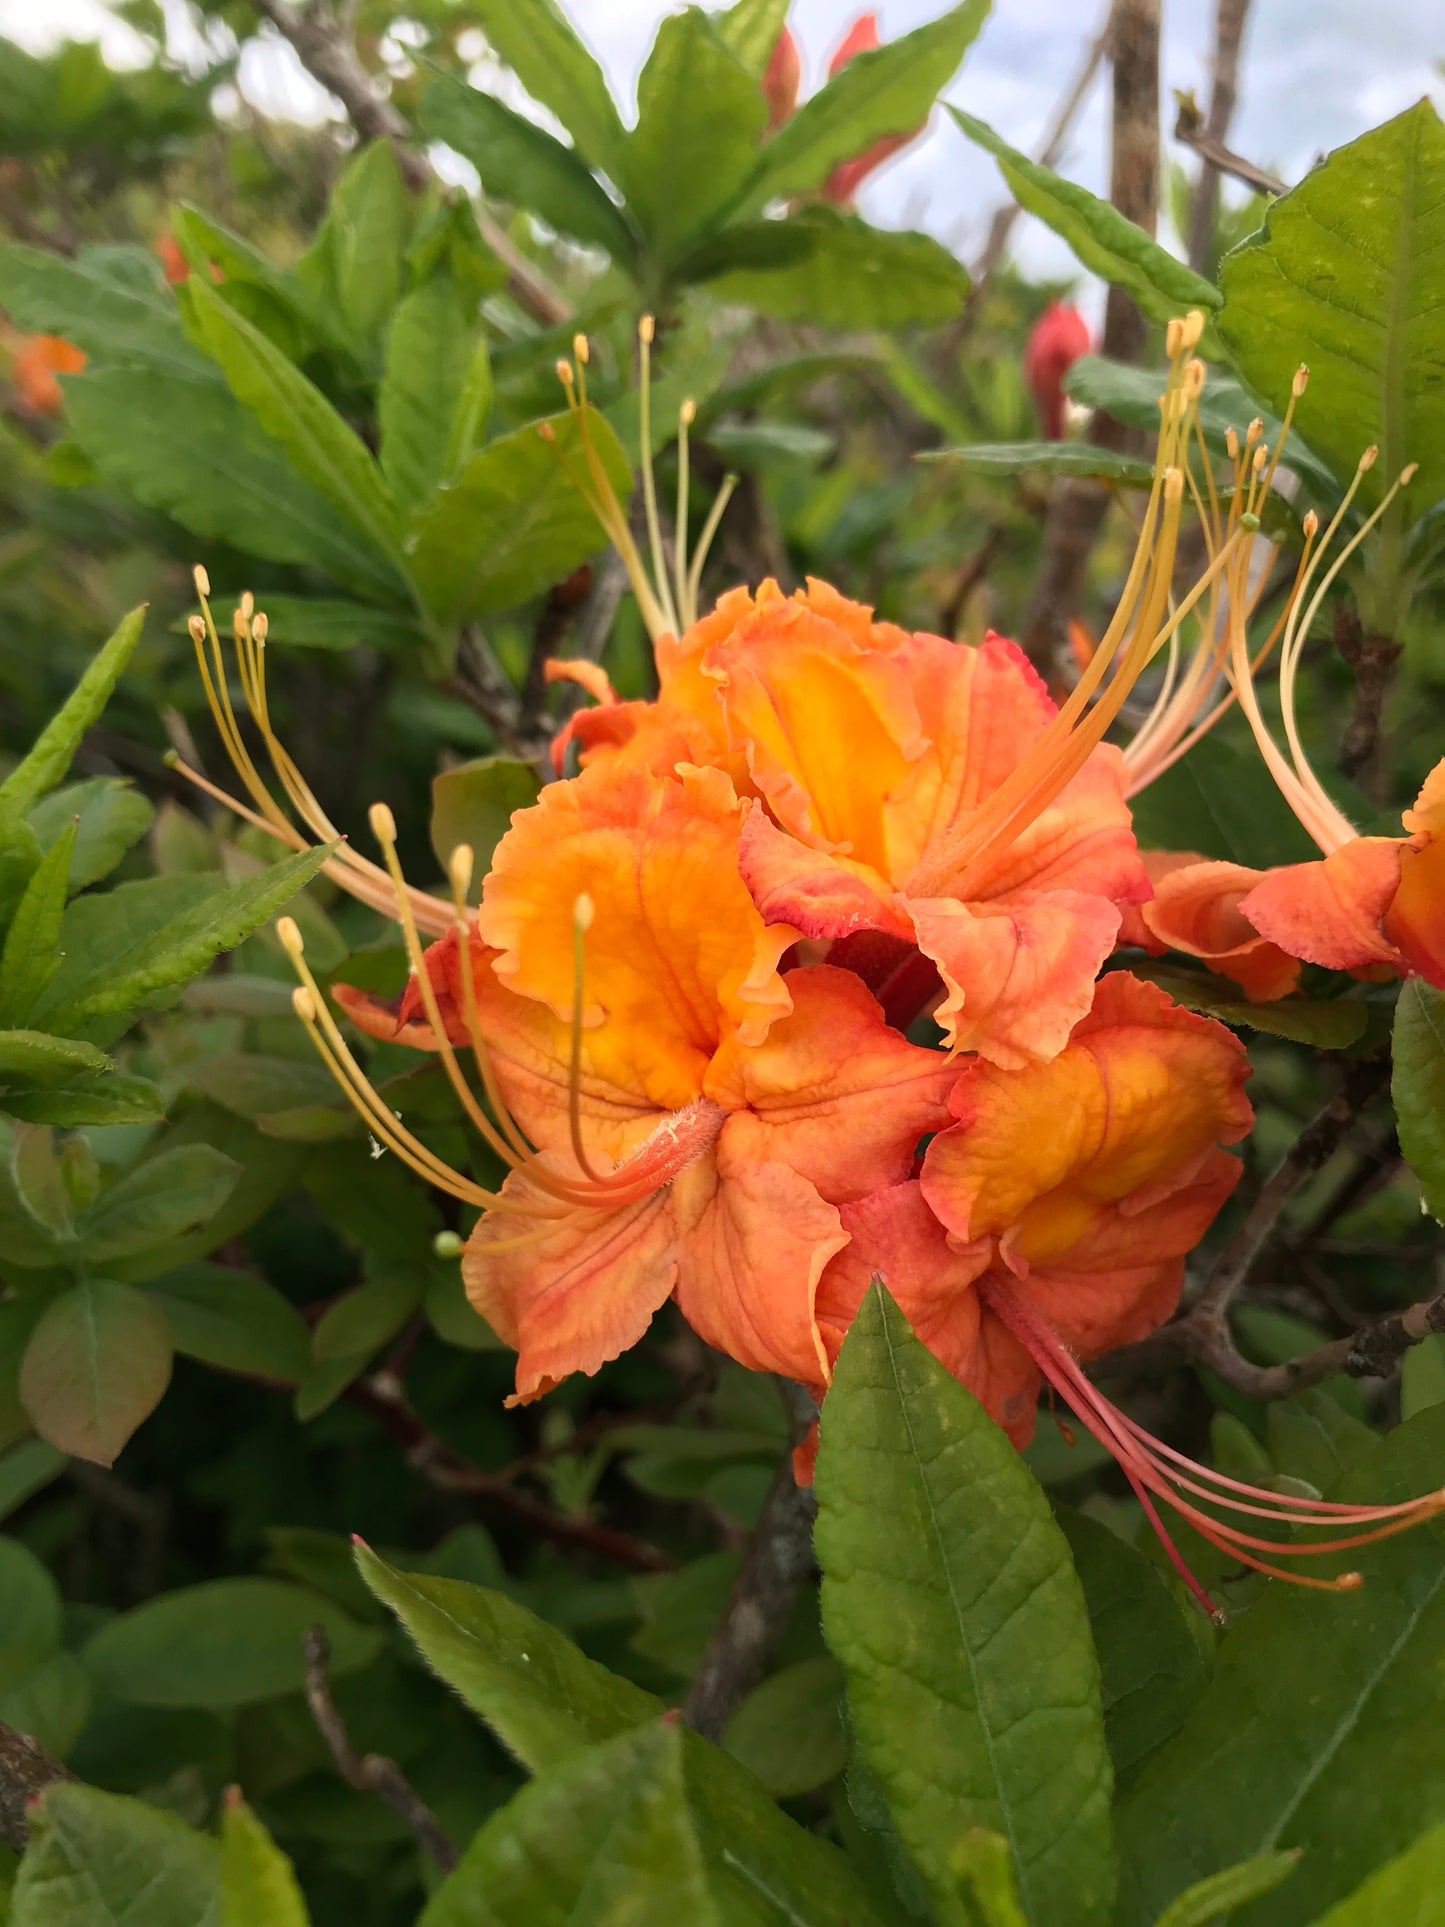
(817, 894)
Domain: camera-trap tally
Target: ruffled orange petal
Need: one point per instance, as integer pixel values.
(832, 1092)
(1195, 910)
(753, 1239)
(677, 955)
(1330, 912)
(585, 673)
(1018, 974)
(1415, 920)
(818, 894)
(581, 1290)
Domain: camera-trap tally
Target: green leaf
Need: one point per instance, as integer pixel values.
(97, 1364)
(1422, 1376)
(233, 1320)
(520, 162)
(1321, 1729)
(513, 524)
(751, 28)
(184, 444)
(788, 1732)
(30, 1611)
(113, 318)
(1209, 1900)
(429, 355)
(258, 1882)
(204, 241)
(27, 1468)
(355, 260)
(1149, 1660)
(534, 39)
(36, 1171)
(253, 1085)
(834, 269)
(167, 1195)
(322, 449)
(35, 1057)
(52, 1704)
(700, 118)
(1051, 458)
(1102, 239)
(57, 743)
(1332, 1025)
(359, 1321)
(109, 817)
(1221, 802)
(653, 1827)
(128, 947)
(887, 91)
(1418, 1087)
(31, 954)
(1409, 1891)
(110, 1098)
(950, 1598)
(543, 1698)
(227, 1643)
(323, 622)
(985, 1872)
(475, 803)
(99, 1860)
(1348, 274)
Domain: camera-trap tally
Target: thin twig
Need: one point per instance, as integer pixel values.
(26, 1769)
(1373, 659)
(370, 1772)
(1190, 128)
(480, 680)
(1229, 21)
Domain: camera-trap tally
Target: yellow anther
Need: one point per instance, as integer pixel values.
(460, 865)
(260, 626)
(1231, 443)
(202, 580)
(580, 349)
(1407, 474)
(1191, 328)
(646, 328)
(546, 431)
(197, 629)
(1301, 380)
(1261, 459)
(583, 911)
(383, 823)
(1174, 336)
(1310, 525)
(289, 933)
(1194, 380)
(687, 414)
(248, 604)
(1173, 485)
(1369, 458)
(1253, 432)
(564, 372)
(304, 1004)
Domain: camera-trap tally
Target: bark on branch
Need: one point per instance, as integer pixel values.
(26, 1769)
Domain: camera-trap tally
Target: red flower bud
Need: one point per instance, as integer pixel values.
(1056, 340)
(861, 38)
(781, 81)
(848, 176)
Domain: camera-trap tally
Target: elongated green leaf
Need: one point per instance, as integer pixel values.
(542, 1697)
(232, 1319)
(183, 443)
(322, 449)
(789, 1731)
(34, 1057)
(887, 91)
(111, 1098)
(113, 318)
(160, 1199)
(324, 622)
(226, 1643)
(1348, 274)
(258, 1882)
(822, 266)
(355, 260)
(1321, 1729)
(751, 29)
(253, 1085)
(99, 1860)
(31, 954)
(97, 1364)
(109, 817)
(513, 524)
(204, 241)
(429, 355)
(1333, 1025)
(1051, 458)
(1210, 1900)
(474, 803)
(520, 162)
(48, 761)
(1418, 1087)
(359, 1321)
(700, 118)
(1102, 239)
(538, 44)
(654, 1827)
(1409, 1891)
(120, 953)
(951, 1601)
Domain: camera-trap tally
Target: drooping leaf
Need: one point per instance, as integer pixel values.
(226, 1643)
(57, 743)
(542, 1697)
(512, 523)
(950, 1598)
(30, 955)
(258, 1882)
(97, 1364)
(1418, 1087)
(1210, 1900)
(474, 803)
(1051, 458)
(100, 1860)
(233, 1320)
(535, 40)
(652, 1827)
(1321, 1727)
(822, 266)
(1348, 275)
(1408, 1891)
(1103, 240)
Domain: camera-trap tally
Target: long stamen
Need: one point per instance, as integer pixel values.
(686, 609)
(582, 915)
(645, 330)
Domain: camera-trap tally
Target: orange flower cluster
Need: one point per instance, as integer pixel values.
(684, 1015)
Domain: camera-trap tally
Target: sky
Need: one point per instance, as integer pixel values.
(1315, 74)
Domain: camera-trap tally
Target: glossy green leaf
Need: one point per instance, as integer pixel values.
(258, 1882)
(474, 803)
(985, 1875)
(1220, 801)
(1102, 239)
(30, 955)
(109, 1098)
(788, 1732)
(535, 40)
(1332, 1025)
(428, 360)
(889, 90)
(1150, 1665)
(162, 1198)
(834, 269)
(1348, 275)
(1418, 1087)
(653, 1827)
(35, 1057)
(232, 1319)
(949, 1597)
(253, 1085)
(1422, 1375)
(355, 260)
(1321, 1728)
(113, 318)
(543, 1698)
(513, 524)
(1211, 1899)
(223, 1644)
(700, 118)
(100, 1860)
(1051, 458)
(520, 162)
(751, 29)
(57, 743)
(1408, 1891)
(98, 1361)
(109, 817)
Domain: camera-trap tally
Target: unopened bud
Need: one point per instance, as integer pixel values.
(1301, 380)
(583, 911)
(646, 328)
(289, 933)
(1249, 522)
(304, 1004)
(383, 823)
(202, 580)
(446, 1244)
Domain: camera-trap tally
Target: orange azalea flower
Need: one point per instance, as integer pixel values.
(1195, 910)
(40, 359)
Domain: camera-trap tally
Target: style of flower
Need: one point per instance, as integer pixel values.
(33, 372)
(1055, 342)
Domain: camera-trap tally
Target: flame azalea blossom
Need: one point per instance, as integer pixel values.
(33, 372)
(1055, 343)
(1195, 910)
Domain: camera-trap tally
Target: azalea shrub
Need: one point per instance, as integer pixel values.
(693, 1223)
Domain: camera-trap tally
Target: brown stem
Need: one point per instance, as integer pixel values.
(1373, 660)
(480, 680)
(1229, 21)
(26, 1769)
(1189, 128)
(370, 1772)
(383, 1396)
(758, 1609)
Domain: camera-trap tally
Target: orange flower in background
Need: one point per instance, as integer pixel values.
(1056, 341)
(1195, 910)
(35, 367)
